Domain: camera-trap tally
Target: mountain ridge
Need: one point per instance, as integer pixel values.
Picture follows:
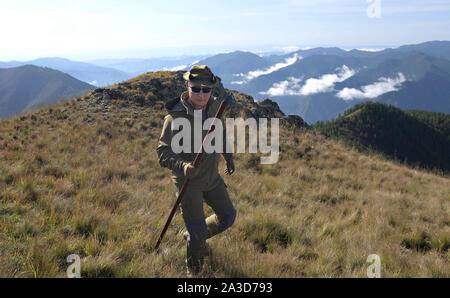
(29, 86)
(86, 72)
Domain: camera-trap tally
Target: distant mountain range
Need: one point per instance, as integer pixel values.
(27, 87)
(320, 83)
(140, 66)
(105, 72)
(86, 72)
(317, 83)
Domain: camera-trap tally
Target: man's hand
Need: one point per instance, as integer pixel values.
(230, 167)
(189, 170)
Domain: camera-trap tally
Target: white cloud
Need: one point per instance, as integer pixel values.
(256, 73)
(286, 49)
(323, 84)
(176, 68)
(288, 61)
(326, 82)
(371, 49)
(288, 87)
(181, 67)
(290, 49)
(364, 49)
(374, 90)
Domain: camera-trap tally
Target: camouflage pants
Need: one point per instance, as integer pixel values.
(198, 227)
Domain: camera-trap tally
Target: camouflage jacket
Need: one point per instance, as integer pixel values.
(208, 167)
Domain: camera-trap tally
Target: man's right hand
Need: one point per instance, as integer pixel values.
(189, 171)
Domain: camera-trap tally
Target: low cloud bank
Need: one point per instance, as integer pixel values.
(289, 87)
(323, 84)
(256, 73)
(374, 90)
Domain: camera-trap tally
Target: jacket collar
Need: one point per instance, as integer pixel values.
(181, 104)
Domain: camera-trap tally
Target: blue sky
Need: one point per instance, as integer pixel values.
(85, 30)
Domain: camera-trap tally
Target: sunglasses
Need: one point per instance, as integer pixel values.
(198, 89)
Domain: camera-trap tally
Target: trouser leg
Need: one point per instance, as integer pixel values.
(194, 219)
(225, 213)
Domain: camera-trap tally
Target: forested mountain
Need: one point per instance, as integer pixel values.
(415, 137)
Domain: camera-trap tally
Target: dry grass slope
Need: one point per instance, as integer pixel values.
(76, 177)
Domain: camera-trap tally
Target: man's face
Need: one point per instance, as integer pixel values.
(200, 99)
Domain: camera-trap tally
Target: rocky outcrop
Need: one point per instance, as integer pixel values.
(158, 87)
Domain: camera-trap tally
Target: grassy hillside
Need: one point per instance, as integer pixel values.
(417, 138)
(81, 176)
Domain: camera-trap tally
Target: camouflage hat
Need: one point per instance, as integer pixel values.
(201, 74)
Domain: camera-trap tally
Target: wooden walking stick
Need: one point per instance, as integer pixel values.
(186, 183)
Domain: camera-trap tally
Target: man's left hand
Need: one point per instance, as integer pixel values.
(230, 167)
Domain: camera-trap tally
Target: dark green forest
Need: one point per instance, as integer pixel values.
(439, 121)
(417, 138)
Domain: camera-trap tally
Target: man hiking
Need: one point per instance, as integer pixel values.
(205, 182)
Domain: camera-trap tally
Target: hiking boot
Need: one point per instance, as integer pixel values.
(208, 250)
(193, 269)
(189, 273)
